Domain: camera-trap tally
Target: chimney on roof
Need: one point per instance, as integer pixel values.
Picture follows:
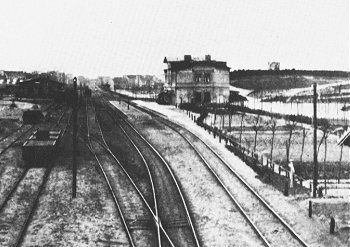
(187, 58)
(207, 58)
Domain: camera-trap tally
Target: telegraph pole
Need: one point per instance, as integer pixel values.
(315, 144)
(75, 125)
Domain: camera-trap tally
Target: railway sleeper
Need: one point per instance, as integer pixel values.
(140, 224)
(176, 223)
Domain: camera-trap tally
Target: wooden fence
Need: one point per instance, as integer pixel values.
(250, 157)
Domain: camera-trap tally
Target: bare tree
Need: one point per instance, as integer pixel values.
(229, 117)
(291, 126)
(256, 125)
(240, 134)
(273, 124)
(340, 158)
(304, 135)
(325, 127)
(324, 161)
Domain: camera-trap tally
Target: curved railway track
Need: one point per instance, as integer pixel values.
(173, 211)
(153, 201)
(113, 188)
(19, 210)
(271, 228)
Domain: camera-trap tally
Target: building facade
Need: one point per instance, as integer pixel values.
(197, 80)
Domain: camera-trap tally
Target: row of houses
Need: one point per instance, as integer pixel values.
(140, 82)
(12, 77)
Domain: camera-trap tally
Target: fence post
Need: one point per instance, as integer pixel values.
(310, 185)
(310, 208)
(332, 226)
(286, 188)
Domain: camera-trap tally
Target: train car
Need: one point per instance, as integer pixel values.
(41, 147)
(32, 116)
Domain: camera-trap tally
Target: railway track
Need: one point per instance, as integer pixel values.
(9, 140)
(173, 211)
(20, 203)
(139, 221)
(271, 228)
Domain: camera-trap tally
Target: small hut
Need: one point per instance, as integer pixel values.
(237, 99)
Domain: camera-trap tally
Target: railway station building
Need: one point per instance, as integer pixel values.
(197, 80)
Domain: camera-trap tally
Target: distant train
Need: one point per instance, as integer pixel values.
(41, 147)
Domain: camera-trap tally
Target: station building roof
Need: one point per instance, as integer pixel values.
(176, 64)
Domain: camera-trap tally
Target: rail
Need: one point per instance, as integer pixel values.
(189, 219)
(115, 199)
(289, 228)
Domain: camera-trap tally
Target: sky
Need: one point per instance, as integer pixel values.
(117, 37)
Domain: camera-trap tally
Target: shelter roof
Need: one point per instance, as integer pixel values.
(236, 97)
(345, 139)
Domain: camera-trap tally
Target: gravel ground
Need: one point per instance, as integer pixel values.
(17, 209)
(11, 171)
(90, 219)
(293, 209)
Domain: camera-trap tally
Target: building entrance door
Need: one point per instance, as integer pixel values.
(206, 97)
(197, 97)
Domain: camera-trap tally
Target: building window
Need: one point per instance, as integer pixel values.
(197, 77)
(207, 77)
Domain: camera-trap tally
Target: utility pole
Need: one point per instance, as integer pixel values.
(75, 125)
(315, 144)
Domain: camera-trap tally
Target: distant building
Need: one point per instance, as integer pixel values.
(197, 80)
(274, 66)
(137, 82)
(38, 88)
(12, 77)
